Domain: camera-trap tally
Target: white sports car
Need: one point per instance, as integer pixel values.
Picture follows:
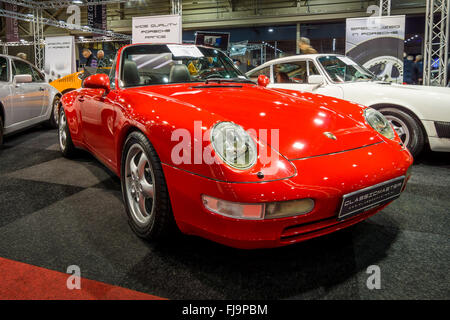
(25, 98)
(419, 114)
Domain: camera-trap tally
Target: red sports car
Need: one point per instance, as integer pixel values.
(201, 148)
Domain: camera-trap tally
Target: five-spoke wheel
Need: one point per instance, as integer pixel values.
(65, 141)
(144, 189)
(407, 127)
(139, 181)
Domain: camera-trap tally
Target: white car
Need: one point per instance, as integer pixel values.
(25, 98)
(419, 114)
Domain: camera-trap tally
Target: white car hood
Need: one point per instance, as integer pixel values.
(428, 103)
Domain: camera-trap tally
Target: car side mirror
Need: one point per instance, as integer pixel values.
(263, 80)
(98, 81)
(22, 78)
(316, 79)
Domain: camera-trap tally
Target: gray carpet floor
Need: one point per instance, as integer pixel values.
(56, 212)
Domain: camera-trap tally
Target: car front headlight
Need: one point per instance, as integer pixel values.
(379, 122)
(234, 145)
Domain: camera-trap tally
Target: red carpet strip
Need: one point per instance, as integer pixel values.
(21, 281)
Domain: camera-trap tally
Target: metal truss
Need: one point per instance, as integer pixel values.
(38, 36)
(38, 21)
(60, 4)
(62, 24)
(100, 39)
(385, 7)
(176, 6)
(436, 43)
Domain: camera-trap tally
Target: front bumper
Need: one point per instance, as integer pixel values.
(325, 179)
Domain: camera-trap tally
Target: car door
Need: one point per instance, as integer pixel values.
(294, 75)
(39, 78)
(6, 97)
(28, 97)
(98, 119)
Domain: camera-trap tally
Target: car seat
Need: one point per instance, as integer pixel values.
(130, 74)
(179, 73)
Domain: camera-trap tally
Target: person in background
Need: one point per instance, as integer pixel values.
(305, 46)
(22, 55)
(448, 75)
(101, 61)
(418, 70)
(90, 59)
(408, 66)
(242, 67)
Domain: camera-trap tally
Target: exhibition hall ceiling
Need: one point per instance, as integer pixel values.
(203, 14)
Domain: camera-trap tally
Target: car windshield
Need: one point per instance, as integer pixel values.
(162, 64)
(343, 69)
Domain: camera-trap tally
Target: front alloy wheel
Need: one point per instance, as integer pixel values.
(144, 189)
(400, 127)
(139, 179)
(407, 128)
(65, 141)
(62, 131)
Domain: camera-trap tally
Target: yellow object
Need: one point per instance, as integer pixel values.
(68, 83)
(72, 81)
(192, 69)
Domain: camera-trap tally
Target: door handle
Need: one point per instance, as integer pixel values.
(81, 99)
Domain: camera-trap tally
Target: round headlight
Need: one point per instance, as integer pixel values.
(234, 145)
(379, 122)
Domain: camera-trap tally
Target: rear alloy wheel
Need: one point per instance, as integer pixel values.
(53, 121)
(1, 132)
(407, 128)
(144, 189)
(65, 141)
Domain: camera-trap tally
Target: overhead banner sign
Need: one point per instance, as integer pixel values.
(157, 29)
(12, 26)
(377, 43)
(59, 57)
(97, 16)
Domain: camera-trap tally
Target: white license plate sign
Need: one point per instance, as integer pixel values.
(371, 197)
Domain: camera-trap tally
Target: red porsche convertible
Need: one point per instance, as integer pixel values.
(201, 148)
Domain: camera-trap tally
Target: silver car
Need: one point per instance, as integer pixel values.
(25, 97)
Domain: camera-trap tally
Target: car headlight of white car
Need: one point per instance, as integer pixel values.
(379, 122)
(234, 145)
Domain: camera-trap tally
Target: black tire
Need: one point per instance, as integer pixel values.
(66, 145)
(54, 116)
(161, 224)
(373, 48)
(416, 139)
(376, 49)
(1, 131)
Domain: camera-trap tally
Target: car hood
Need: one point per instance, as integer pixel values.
(431, 103)
(302, 119)
(405, 89)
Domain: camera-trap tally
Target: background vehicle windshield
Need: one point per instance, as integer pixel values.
(343, 69)
(162, 64)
